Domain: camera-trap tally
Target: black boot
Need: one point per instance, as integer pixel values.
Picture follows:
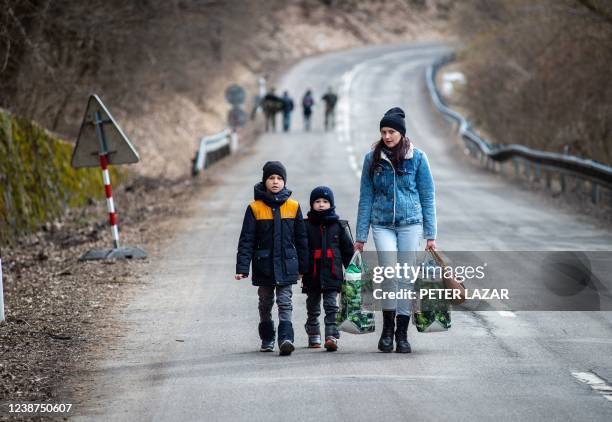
(401, 334)
(266, 334)
(385, 344)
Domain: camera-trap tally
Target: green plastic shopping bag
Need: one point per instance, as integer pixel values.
(430, 314)
(352, 318)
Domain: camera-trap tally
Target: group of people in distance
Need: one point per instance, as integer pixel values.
(272, 104)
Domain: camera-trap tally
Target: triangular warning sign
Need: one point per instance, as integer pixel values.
(100, 132)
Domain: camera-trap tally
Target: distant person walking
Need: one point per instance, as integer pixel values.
(287, 109)
(307, 104)
(396, 198)
(272, 104)
(330, 100)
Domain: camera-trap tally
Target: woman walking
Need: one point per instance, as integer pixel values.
(397, 198)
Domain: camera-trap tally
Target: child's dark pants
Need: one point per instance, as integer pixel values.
(283, 301)
(313, 307)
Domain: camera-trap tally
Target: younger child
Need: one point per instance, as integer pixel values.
(274, 239)
(330, 247)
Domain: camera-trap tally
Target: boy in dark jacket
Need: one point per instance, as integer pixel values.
(273, 238)
(330, 248)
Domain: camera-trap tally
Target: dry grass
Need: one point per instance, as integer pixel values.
(538, 73)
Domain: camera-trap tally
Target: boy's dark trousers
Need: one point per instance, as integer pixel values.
(283, 302)
(285, 308)
(313, 308)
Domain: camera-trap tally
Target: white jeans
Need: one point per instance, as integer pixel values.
(397, 245)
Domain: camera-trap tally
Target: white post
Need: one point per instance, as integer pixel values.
(110, 204)
(1, 294)
(234, 144)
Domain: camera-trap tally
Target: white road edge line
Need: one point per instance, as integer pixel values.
(344, 109)
(596, 383)
(344, 106)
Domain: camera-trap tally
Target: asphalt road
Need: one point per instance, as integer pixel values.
(530, 366)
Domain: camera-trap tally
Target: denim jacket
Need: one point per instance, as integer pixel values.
(390, 199)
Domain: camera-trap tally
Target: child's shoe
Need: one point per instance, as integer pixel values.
(267, 335)
(285, 338)
(286, 348)
(314, 341)
(267, 346)
(331, 343)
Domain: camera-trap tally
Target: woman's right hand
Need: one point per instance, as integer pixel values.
(359, 246)
(240, 276)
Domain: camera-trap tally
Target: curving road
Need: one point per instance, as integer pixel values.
(530, 366)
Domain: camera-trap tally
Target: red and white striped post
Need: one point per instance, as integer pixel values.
(112, 214)
(101, 143)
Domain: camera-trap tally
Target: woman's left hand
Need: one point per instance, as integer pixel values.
(431, 245)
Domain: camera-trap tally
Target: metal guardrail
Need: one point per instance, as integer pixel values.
(212, 149)
(534, 161)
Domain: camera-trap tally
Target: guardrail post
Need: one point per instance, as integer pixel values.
(234, 143)
(538, 172)
(203, 156)
(594, 192)
(516, 167)
(562, 181)
(547, 178)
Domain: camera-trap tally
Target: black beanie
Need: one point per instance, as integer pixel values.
(322, 192)
(394, 119)
(274, 167)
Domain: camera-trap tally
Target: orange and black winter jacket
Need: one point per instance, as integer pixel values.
(273, 239)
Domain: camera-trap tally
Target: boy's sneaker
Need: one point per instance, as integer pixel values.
(267, 346)
(286, 347)
(331, 343)
(314, 341)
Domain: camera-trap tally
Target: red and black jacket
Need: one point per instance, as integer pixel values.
(330, 248)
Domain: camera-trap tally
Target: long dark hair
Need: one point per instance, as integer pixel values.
(398, 153)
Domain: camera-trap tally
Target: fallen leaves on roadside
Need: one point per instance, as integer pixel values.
(60, 309)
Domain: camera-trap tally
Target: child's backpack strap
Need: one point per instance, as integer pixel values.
(345, 225)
